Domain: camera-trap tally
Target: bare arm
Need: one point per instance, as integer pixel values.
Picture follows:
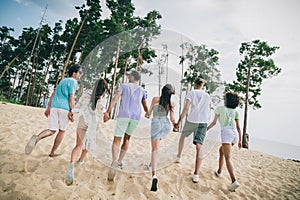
(213, 122)
(239, 132)
(184, 112)
(47, 111)
(71, 102)
(113, 102)
(154, 101)
(172, 119)
(144, 104)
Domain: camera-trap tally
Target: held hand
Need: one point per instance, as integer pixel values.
(105, 117)
(176, 127)
(47, 112)
(240, 144)
(147, 115)
(71, 116)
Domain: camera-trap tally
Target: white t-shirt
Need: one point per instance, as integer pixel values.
(200, 106)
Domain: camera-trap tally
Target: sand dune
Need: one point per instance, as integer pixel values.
(38, 176)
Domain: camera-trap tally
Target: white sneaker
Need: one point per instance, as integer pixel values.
(70, 174)
(195, 178)
(31, 144)
(120, 165)
(80, 163)
(233, 186)
(178, 159)
(217, 174)
(112, 170)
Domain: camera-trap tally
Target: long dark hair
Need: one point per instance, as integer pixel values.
(99, 88)
(165, 98)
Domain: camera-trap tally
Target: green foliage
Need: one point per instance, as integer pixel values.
(32, 64)
(202, 62)
(256, 57)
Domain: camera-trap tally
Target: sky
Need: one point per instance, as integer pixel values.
(219, 24)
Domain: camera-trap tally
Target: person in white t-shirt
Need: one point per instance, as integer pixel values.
(197, 106)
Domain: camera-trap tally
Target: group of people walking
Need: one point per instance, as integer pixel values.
(197, 111)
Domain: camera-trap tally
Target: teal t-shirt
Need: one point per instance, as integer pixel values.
(223, 116)
(61, 97)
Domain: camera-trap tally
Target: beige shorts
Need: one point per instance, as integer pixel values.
(81, 123)
(58, 119)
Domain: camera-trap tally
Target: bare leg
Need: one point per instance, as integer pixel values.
(115, 147)
(227, 155)
(83, 155)
(154, 144)
(79, 137)
(124, 147)
(36, 138)
(198, 158)
(115, 150)
(221, 160)
(45, 133)
(180, 145)
(58, 139)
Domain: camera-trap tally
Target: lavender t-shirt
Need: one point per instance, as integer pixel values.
(132, 95)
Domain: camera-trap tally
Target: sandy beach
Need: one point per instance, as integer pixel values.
(37, 176)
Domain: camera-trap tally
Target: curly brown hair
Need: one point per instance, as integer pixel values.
(232, 100)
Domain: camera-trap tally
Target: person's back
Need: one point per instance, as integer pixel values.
(61, 98)
(227, 116)
(132, 97)
(200, 106)
(159, 111)
(130, 106)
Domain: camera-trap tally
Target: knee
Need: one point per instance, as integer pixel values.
(221, 152)
(154, 149)
(116, 141)
(78, 146)
(227, 158)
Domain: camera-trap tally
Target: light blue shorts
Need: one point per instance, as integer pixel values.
(125, 125)
(160, 126)
(199, 130)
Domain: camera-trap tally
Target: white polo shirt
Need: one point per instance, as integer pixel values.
(200, 106)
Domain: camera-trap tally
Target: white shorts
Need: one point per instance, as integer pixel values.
(229, 135)
(58, 119)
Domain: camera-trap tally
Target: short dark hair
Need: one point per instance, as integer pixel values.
(75, 68)
(136, 75)
(232, 100)
(199, 81)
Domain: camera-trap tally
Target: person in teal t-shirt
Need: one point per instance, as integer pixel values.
(59, 110)
(230, 134)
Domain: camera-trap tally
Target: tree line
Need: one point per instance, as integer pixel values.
(32, 64)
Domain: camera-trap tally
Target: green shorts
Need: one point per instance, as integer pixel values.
(125, 125)
(199, 130)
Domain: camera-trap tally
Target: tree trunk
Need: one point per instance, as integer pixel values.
(13, 60)
(22, 77)
(245, 134)
(11, 92)
(45, 76)
(125, 70)
(115, 76)
(59, 71)
(71, 50)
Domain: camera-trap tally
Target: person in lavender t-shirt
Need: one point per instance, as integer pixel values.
(132, 96)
